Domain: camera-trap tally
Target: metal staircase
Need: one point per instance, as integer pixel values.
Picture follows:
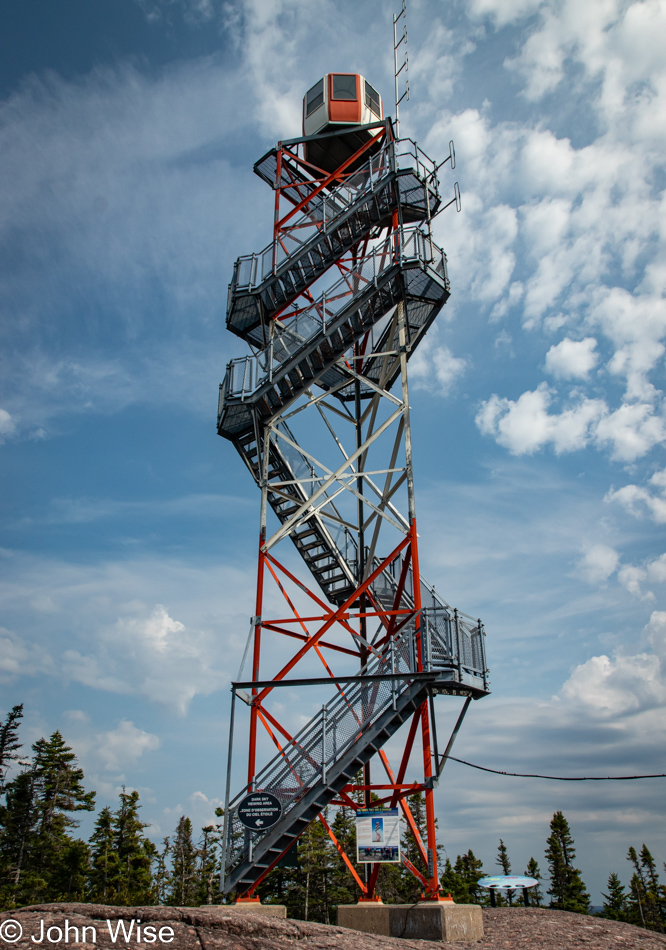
(399, 177)
(312, 769)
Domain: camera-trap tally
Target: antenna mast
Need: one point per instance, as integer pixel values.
(405, 63)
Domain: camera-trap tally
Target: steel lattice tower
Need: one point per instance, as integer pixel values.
(332, 310)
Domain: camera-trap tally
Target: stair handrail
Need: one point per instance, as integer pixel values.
(414, 246)
(400, 155)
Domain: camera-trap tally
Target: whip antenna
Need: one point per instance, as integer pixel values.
(405, 63)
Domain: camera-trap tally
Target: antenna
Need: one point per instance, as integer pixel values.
(405, 64)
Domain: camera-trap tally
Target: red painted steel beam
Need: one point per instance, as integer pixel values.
(329, 623)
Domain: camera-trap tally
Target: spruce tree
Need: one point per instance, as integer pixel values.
(566, 886)
(647, 906)
(503, 858)
(615, 902)
(20, 875)
(470, 870)
(104, 874)
(134, 884)
(533, 870)
(452, 882)
(208, 864)
(344, 889)
(314, 858)
(505, 864)
(183, 889)
(39, 858)
(9, 742)
(161, 875)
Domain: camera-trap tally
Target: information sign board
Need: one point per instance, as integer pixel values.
(259, 810)
(378, 835)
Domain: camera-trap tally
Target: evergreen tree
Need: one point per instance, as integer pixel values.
(505, 864)
(104, 874)
(9, 742)
(343, 887)
(134, 884)
(183, 886)
(452, 882)
(70, 875)
(533, 870)
(615, 902)
(503, 858)
(566, 886)
(470, 870)
(60, 787)
(20, 873)
(314, 857)
(208, 864)
(40, 861)
(161, 875)
(647, 906)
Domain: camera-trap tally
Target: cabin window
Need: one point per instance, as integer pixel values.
(314, 98)
(372, 100)
(344, 87)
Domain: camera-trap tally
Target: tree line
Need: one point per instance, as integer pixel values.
(42, 860)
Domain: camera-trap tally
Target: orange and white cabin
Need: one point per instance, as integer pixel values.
(338, 103)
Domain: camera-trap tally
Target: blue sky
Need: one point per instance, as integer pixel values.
(128, 133)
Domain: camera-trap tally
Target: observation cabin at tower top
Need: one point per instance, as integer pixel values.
(336, 104)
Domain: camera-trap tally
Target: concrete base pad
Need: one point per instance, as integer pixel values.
(429, 920)
(250, 907)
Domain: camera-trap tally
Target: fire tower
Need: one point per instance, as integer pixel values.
(332, 310)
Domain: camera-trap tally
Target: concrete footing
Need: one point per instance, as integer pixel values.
(428, 920)
(255, 907)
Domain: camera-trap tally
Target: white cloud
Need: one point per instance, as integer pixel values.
(77, 715)
(504, 11)
(636, 498)
(436, 369)
(599, 561)
(633, 576)
(7, 425)
(632, 430)
(656, 632)
(636, 324)
(525, 426)
(18, 658)
(123, 746)
(102, 633)
(153, 655)
(572, 359)
(617, 686)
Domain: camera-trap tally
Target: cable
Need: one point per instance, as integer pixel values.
(558, 778)
(407, 913)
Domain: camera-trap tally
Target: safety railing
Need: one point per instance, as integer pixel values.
(326, 215)
(450, 645)
(311, 755)
(453, 641)
(246, 374)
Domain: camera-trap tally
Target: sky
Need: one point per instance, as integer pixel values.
(128, 132)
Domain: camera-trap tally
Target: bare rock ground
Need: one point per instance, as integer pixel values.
(213, 928)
